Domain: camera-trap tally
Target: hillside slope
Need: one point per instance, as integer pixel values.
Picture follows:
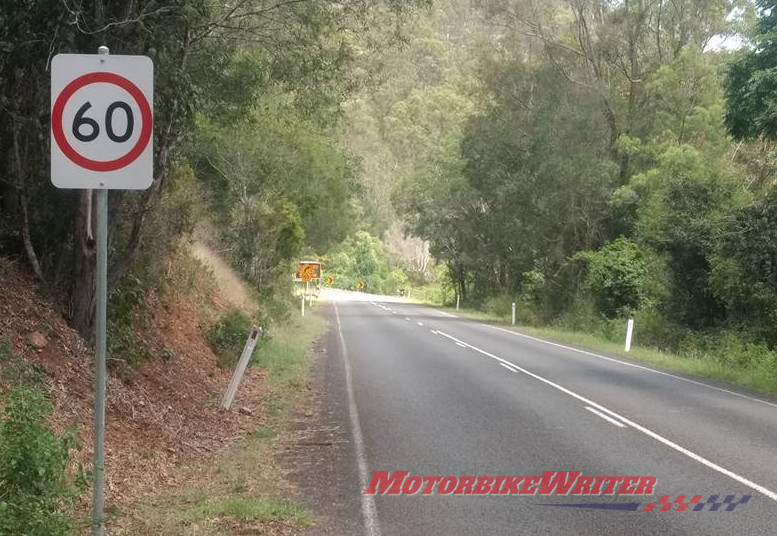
(162, 413)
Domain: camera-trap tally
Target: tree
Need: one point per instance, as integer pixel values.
(751, 82)
(617, 277)
(210, 58)
(680, 207)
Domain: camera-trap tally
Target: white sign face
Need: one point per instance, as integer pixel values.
(102, 121)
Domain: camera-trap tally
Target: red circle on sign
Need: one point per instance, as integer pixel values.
(102, 165)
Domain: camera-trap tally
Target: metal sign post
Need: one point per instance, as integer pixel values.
(100, 323)
(101, 139)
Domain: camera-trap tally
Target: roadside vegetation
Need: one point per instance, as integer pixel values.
(752, 366)
(588, 160)
(244, 490)
(37, 483)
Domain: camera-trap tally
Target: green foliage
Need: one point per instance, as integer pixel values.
(34, 488)
(682, 205)
(744, 272)
(362, 258)
(228, 336)
(6, 349)
(278, 183)
(751, 82)
(128, 315)
(617, 277)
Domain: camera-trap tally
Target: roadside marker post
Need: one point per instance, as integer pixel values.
(240, 369)
(102, 124)
(513, 313)
(629, 333)
(457, 302)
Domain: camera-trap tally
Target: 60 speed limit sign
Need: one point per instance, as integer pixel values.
(102, 121)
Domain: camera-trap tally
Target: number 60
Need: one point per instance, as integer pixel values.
(81, 121)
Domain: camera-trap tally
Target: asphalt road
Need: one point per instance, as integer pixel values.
(439, 395)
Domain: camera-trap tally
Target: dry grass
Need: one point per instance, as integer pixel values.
(231, 287)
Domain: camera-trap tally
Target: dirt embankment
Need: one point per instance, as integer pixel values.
(164, 414)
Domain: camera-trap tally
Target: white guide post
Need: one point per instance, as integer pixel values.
(629, 333)
(237, 376)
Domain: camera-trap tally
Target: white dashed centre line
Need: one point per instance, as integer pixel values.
(742, 480)
(606, 418)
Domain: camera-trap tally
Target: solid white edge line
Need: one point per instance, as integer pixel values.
(369, 513)
(606, 417)
(464, 346)
(505, 366)
(443, 313)
(742, 480)
(626, 363)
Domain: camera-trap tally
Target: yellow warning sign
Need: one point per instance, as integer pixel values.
(330, 280)
(361, 285)
(309, 270)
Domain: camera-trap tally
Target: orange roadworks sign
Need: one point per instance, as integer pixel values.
(308, 271)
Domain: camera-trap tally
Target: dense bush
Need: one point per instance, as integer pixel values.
(617, 276)
(362, 257)
(228, 336)
(34, 487)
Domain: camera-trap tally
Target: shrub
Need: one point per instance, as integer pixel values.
(34, 488)
(500, 305)
(228, 336)
(617, 276)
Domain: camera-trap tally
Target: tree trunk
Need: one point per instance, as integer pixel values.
(83, 303)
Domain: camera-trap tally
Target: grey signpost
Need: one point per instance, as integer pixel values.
(101, 139)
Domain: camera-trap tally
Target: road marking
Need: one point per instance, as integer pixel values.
(626, 363)
(370, 515)
(443, 313)
(742, 480)
(505, 366)
(463, 346)
(606, 417)
(393, 312)
(434, 332)
(421, 324)
(408, 319)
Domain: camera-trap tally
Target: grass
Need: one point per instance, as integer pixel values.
(242, 491)
(694, 366)
(246, 509)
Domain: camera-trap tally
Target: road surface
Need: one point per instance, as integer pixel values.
(419, 390)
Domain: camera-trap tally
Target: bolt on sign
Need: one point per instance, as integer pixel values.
(102, 121)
